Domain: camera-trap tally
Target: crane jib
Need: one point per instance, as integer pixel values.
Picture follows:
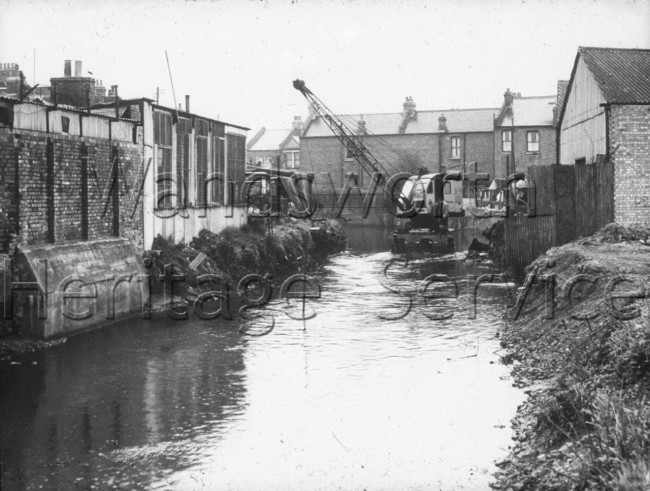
(350, 141)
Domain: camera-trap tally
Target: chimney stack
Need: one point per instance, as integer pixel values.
(77, 68)
(508, 97)
(361, 126)
(297, 123)
(67, 68)
(409, 107)
(442, 123)
(187, 103)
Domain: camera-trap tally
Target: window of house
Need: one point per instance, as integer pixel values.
(348, 154)
(292, 159)
(506, 141)
(162, 128)
(532, 141)
(455, 147)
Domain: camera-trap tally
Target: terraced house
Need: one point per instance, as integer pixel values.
(411, 141)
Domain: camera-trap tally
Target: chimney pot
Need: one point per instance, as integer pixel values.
(187, 103)
(77, 68)
(67, 68)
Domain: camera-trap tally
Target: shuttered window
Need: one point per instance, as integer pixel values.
(201, 169)
(236, 147)
(218, 182)
(162, 129)
(183, 133)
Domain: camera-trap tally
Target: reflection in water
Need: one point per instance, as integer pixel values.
(118, 406)
(343, 400)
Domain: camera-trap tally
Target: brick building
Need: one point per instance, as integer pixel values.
(410, 141)
(268, 147)
(524, 133)
(12, 80)
(79, 90)
(606, 115)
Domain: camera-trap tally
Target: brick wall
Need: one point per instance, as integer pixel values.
(63, 184)
(8, 202)
(263, 155)
(523, 158)
(474, 147)
(629, 127)
(396, 153)
(74, 91)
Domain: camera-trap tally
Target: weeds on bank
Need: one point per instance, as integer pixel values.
(586, 425)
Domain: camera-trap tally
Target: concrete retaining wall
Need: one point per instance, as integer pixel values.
(108, 274)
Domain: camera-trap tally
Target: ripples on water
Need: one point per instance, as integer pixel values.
(345, 400)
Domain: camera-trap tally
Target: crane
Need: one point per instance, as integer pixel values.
(354, 145)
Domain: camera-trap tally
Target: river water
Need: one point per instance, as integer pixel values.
(345, 400)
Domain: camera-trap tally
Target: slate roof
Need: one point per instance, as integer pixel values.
(531, 111)
(270, 139)
(623, 75)
(458, 121)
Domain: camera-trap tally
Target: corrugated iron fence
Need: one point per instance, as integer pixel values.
(564, 203)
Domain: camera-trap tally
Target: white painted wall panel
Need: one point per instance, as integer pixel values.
(583, 127)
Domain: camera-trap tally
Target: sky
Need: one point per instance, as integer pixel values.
(237, 59)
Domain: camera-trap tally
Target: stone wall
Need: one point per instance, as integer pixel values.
(629, 141)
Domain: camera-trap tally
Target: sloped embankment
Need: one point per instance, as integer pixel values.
(580, 341)
(288, 248)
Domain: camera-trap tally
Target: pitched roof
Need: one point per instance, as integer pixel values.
(270, 139)
(530, 111)
(458, 121)
(623, 75)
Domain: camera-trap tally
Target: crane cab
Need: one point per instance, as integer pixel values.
(434, 195)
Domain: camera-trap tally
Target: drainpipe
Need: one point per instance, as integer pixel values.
(608, 110)
(439, 153)
(512, 142)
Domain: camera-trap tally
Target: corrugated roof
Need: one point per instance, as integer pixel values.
(271, 139)
(61, 107)
(531, 111)
(458, 121)
(623, 75)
